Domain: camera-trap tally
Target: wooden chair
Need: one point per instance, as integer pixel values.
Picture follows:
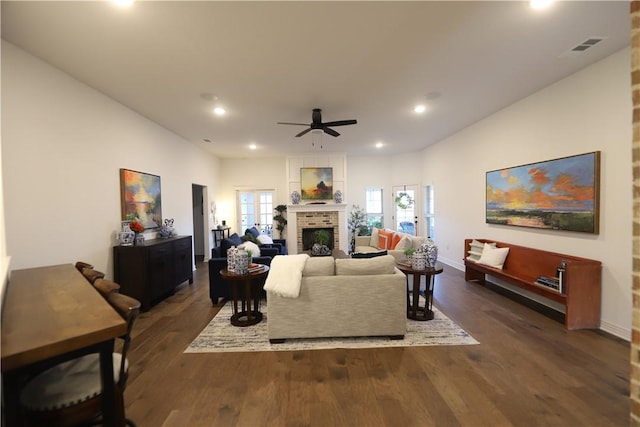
(80, 265)
(69, 394)
(106, 287)
(92, 275)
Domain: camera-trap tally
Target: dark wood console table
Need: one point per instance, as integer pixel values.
(219, 234)
(40, 327)
(152, 271)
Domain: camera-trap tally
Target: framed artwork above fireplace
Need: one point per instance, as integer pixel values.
(316, 183)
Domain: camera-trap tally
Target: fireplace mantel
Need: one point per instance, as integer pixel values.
(292, 223)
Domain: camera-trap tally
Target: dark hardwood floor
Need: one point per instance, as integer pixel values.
(527, 371)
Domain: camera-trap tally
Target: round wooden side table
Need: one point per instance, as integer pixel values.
(414, 310)
(251, 291)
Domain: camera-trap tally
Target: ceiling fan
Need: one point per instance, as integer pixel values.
(316, 123)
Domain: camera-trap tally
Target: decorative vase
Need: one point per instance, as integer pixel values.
(430, 250)
(418, 261)
(320, 250)
(237, 261)
(295, 197)
(126, 237)
(337, 196)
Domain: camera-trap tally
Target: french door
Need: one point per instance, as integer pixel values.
(405, 204)
(255, 208)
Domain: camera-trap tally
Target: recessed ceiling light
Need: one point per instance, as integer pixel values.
(540, 4)
(219, 111)
(420, 109)
(122, 3)
(253, 146)
(379, 145)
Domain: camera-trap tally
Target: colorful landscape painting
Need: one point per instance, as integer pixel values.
(560, 194)
(141, 199)
(316, 183)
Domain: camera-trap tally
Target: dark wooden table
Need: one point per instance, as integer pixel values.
(219, 234)
(52, 314)
(251, 292)
(414, 310)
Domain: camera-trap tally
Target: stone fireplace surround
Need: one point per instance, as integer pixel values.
(326, 215)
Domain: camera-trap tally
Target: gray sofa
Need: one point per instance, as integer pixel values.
(343, 297)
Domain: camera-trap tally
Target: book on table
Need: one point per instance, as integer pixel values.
(550, 282)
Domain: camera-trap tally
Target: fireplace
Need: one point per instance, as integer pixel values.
(331, 217)
(308, 237)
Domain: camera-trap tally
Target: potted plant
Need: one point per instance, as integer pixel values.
(409, 253)
(280, 220)
(321, 240)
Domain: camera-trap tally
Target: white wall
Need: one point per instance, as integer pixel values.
(250, 174)
(588, 111)
(382, 172)
(63, 146)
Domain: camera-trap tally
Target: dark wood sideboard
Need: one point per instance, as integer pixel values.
(151, 272)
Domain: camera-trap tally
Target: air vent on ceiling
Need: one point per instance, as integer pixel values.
(582, 47)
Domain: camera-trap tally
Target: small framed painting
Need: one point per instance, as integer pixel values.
(141, 199)
(316, 183)
(559, 194)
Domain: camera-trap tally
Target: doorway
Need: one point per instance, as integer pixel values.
(406, 208)
(198, 202)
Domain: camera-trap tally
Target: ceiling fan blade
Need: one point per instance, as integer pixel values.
(303, 132)
(297, 124)
(341, 123)
(330, 131)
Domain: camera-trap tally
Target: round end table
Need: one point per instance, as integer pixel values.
(246, 316)
(414, 310)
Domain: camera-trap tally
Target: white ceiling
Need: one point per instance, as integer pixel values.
(276, 61)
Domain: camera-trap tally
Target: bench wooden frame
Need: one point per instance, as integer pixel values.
(583, 280)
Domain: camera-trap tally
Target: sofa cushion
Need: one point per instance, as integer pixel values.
(368, 254)
(233, 240)
(319, 266)
(395, 240)
(358, 267)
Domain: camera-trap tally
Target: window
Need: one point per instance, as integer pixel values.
(429, 211)
(256, 209)
(373, 208)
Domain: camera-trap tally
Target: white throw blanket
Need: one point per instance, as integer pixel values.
(285, 275)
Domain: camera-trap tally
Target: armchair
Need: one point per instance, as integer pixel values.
(220, 288)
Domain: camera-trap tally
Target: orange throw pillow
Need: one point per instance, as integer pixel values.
(396, 239)
(385, 238)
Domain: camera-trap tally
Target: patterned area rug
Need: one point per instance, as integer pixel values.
(220, 336)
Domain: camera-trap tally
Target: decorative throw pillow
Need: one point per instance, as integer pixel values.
(404, 243)
(396, 239)
(254, 231)
(250, 246)
(389, 239)
(264, 239)
(374, 238)
(493, 257)
(249, 237)
(475, 250)
(382, 242)
(368, 254)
